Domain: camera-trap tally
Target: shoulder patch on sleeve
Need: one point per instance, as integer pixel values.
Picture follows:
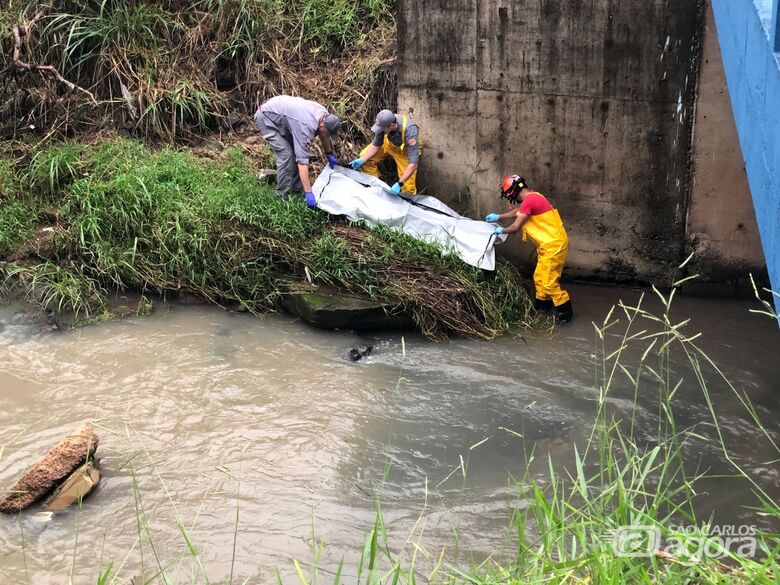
(412, 141)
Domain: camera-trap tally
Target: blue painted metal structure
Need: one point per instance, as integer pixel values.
(775, 27)
(749, 35)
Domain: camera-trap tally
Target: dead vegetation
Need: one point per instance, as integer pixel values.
(175, 71)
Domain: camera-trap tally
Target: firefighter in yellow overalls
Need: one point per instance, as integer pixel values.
(541, 224)
(396, 136)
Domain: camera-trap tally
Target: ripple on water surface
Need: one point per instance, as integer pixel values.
(195, 399)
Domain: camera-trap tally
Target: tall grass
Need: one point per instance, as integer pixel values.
(16, 226)
(17, 217)
(620, 480)
(52, 169)
(160, 224)
(174, 70)
(58, 289)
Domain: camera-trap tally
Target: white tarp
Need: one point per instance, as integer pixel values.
(342, 191)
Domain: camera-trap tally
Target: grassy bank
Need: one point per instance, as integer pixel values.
(116, 215)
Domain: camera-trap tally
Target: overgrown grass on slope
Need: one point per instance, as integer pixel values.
(172, 69)
(16, 216)
(167, 221)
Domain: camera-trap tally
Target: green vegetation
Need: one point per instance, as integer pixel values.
(620, 479)
(59, 289)
(16, 226)
(173, 70)
(16, 216)
(170, 222)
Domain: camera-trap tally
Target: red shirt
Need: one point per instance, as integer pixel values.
(534, 204)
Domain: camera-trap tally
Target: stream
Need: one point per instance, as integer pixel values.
(261, 438)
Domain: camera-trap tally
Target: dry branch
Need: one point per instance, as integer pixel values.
(48, 68)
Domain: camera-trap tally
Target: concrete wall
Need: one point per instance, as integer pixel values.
(722, 229)
(753, 74)
(591, 100)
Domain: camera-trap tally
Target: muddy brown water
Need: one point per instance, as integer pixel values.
(205, 416)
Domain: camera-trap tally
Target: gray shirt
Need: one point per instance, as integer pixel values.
(296, 119)
(412, 136)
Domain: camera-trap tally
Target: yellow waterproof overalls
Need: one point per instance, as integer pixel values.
(399, 156)
(552, 244)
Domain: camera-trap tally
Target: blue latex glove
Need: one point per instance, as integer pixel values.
(395, 189)
(498, 230)
(332, 161)
(357, 163)
(492, 217)
(310, 200)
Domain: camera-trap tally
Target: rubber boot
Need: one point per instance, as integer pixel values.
(565, 312)
(545, 306)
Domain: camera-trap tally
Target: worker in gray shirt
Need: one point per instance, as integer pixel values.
(396, 136)
(289, 124)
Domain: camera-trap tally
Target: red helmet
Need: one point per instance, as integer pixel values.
(511, 186)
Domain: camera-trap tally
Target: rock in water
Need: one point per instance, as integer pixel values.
(74, 489)
(55, 466)
(332, 308)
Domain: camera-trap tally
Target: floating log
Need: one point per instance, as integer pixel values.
(55, 466)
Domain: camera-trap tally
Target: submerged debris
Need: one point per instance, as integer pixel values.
(358, 353)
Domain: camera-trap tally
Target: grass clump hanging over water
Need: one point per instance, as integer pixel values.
(169, 221)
